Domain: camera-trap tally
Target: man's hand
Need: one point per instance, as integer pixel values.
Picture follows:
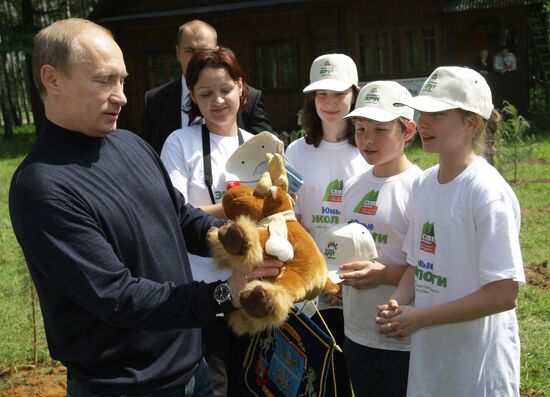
(237, 281)
(333, 299)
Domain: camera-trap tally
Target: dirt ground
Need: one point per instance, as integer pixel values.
(49, 379)
(46, 380)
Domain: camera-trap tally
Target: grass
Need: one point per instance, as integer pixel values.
(16, 326)
(532, 189)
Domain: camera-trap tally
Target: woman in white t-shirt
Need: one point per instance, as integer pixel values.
(195, 158)
(378, 199)
(326, 157)
(458, 295)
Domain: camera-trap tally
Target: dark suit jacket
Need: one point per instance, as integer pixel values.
(162, 114)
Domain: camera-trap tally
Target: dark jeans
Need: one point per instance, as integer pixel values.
(198, 386)
(377, 372)
(224, 353)
(334, 319)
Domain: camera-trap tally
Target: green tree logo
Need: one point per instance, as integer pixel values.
(333, 192)
(427, 239)
(367, 205)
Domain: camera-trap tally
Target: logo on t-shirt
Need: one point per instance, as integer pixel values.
(330, 250)
(333, 192)
(427, 239)
(367, 205)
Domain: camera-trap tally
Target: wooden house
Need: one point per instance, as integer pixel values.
(276, 41)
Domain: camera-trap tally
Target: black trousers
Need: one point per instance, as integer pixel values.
(224, 353)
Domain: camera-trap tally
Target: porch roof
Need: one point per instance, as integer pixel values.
(471, 5)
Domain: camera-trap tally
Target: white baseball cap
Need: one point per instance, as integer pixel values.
(333, 72)
(248, 162)
(453, 87)
(375, 102)
(243, 164)
(346, 243)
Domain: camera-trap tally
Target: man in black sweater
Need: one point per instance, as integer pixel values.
(164, 105)
(106, 236)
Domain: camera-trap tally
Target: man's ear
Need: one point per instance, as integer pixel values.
(49, 78)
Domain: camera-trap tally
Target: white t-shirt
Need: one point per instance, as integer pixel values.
(381, 205)
(463, 235)
(183, 158)
(324, 169)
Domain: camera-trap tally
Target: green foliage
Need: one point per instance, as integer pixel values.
(288, 137)
(513, 143)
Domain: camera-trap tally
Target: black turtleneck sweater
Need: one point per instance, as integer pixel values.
(105, 237)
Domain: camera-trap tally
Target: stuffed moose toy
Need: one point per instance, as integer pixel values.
(264, 225)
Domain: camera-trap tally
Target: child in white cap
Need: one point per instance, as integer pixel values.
(457, 297)
(326, 157)
(378, 199)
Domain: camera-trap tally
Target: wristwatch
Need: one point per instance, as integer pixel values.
(222, 294)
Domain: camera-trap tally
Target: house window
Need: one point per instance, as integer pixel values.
(374, 53)
(162, 68)
(419, 49)
(278, 64)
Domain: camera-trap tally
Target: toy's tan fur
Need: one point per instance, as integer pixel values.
(254, 250)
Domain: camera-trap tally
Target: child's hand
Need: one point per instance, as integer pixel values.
(398, 321)
(334, 299)
(387, 310)
(362, 274)
(387, 325)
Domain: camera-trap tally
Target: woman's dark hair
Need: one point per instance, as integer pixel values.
(221, 58)
(312, 123)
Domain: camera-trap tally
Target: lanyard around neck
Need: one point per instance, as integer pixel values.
(207, 160)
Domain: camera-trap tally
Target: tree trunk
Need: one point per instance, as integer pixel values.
(36, 103)
(11, 87)
(5, 101)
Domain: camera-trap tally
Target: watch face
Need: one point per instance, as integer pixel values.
(222, 292)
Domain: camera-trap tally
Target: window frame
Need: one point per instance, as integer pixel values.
(422, 67)
(151, 78)
(376, 74)
(293, 62)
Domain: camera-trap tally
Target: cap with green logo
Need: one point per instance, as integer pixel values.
(375, 102)
(453, 87)
(332, 72)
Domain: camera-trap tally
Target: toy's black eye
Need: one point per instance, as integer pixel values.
(242, 162)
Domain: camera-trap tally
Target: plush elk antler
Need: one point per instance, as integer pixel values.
(274, 176)
(277, 172)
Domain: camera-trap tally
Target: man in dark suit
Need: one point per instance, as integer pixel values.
(164, 105)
